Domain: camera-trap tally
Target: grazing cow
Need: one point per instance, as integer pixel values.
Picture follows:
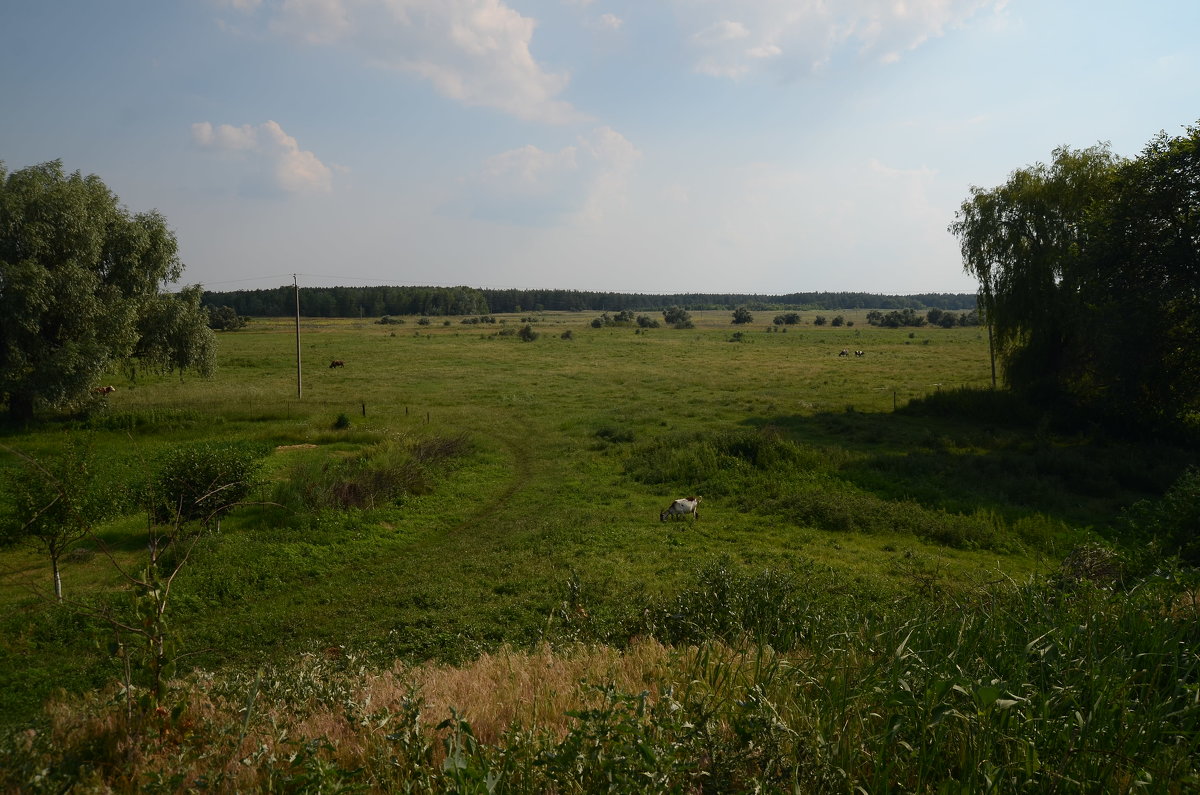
(845, 352)
(104, 390)
(336, 363)
(681, 506)
(860, 353)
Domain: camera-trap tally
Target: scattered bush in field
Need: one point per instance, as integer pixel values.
(742, 315)
(424, 321)
(645, 321)
(713, 462)
(567, 335)
(623, 318)
(225, 318)
(341, 423)
(678, 317)
(787, 319)
(200, 481)
(738, 336)
(388, 320)
(819, 320)
(527, 334)
(838, 320)
(383, 473)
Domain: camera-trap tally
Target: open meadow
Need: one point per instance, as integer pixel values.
(859, 602)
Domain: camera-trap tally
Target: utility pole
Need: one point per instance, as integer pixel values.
(299, 390)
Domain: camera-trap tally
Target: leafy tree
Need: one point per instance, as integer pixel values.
(819, 320)
(1089, 271)
(225, 318)
(174, 335)
(57, 502)
(1024, 241)
(78, 275)
(838, 320)
(742, 315)
(678, 317)
(527, 334)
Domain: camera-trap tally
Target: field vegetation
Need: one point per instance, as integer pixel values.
(441, 568)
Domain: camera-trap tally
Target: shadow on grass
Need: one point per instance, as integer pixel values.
(971, 450)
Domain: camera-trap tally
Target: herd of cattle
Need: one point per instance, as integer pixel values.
(846, 352)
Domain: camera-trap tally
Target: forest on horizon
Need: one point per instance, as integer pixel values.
(417, 300)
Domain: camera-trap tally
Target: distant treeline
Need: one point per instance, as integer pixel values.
(432, 301)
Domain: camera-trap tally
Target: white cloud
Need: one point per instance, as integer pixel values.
(609, 22)
(529, 186)
(277, 163)
(476, 52)
(811, 33)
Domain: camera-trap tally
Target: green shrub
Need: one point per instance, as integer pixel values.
(201, 480)
(341, 423)
(383, 473)
(1172, 522)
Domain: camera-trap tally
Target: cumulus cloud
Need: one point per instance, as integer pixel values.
(608, 22)
(276, 162)
(529, 186)
(732, 37)
(476, 52)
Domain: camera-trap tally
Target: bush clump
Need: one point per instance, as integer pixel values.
(383, 473)
(202, 480)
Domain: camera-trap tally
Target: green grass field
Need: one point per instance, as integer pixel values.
(861, 478)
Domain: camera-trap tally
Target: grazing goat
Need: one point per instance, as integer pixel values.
(104, 390)
(681, 506)
(336, 363)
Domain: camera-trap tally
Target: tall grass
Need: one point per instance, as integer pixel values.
(1032, 686)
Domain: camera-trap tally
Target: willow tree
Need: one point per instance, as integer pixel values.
(81, 279)
(1026, 243)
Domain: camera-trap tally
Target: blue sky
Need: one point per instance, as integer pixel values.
(751, 146)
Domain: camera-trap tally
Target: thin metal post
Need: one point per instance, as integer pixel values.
(299, 385)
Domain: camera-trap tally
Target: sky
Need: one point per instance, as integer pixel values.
(661, 146)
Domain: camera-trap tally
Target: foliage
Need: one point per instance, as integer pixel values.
(678, 317)
(787, 319)
(79, 288)
(742, 315)
(199, 481)
(1173, 521)
(225, 318)
(1088, 268)
(527, 334)
(57, 502)
(173, 335)
(1012, 687)
(896, 318)
(384, 473)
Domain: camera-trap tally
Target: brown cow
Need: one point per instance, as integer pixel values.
(104, 390)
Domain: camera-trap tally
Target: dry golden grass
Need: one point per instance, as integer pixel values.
(212, 741)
